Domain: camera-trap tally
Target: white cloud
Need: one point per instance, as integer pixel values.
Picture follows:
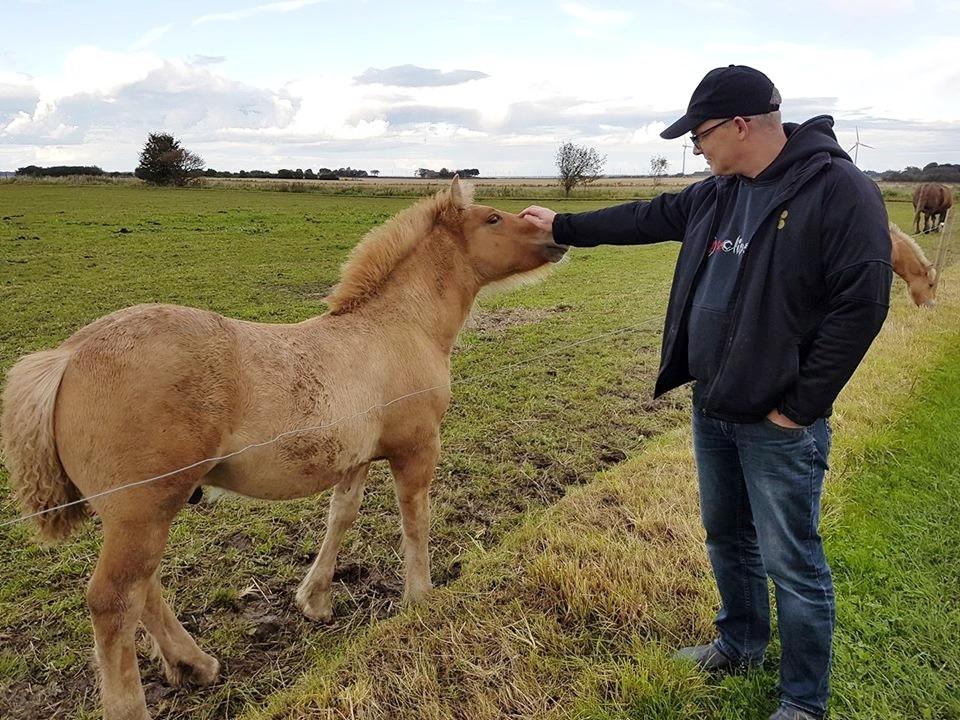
(700, 8)
(648, 133)
(88, 69)
(414, 76)
(104, 102)
(205, 59)
(594, 16)
(151, 36)
(276, 7)
(124, 104)
(17, 96)
(871, 8)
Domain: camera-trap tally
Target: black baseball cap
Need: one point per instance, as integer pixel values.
(735, 90)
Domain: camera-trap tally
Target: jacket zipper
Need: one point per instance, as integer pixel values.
(734, 318)
(714, 225)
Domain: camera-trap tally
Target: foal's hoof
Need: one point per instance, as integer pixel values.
(203, 672)
(318, 606)
(125, 711)
(207, 672)
(415, 596)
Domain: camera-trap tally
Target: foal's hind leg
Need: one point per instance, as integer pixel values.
(182, 660)
(314, 595)
(116, 596)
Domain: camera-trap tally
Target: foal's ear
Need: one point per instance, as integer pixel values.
(457, 196)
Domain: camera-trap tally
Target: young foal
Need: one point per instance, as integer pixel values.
(154, 388)
(912, 265)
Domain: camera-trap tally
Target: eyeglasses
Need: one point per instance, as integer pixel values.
(696, 139)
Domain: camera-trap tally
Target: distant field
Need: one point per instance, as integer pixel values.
(540, 188)
(514, 444)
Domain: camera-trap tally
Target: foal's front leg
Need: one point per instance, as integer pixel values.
(314, 596)
(412, 473)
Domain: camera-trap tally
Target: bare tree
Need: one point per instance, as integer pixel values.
(578, 165)
(658, 168)
(164, 162)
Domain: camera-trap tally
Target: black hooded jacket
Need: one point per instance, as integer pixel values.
(813, 287)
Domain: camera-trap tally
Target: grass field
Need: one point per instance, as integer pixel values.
(546, 605)
(538, 189)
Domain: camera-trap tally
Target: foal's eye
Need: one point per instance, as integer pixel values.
(493, 219)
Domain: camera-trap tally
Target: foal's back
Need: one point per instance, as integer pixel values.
(153, 388)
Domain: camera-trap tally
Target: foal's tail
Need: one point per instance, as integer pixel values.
(29, 446)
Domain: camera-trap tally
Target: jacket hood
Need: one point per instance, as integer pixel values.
(804, 140)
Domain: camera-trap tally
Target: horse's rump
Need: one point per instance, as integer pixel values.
(147, 390)
(932, 198)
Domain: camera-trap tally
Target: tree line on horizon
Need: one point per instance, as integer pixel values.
(444, 174)
(931, 172)
(65, 170)
(298, 174)
(281, 174)
(164, 161)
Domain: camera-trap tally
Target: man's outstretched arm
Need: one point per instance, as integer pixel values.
(634, 223)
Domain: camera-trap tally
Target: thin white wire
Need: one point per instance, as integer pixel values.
(314, 428)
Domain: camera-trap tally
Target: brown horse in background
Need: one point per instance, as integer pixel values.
(912, 265)
(932, 200)
(157, 388)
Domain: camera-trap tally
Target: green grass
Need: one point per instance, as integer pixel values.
(897, 562)
(513, 442)
(538, 611)
(895, 553)
(575, 614)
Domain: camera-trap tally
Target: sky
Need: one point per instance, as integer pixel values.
(495, 85)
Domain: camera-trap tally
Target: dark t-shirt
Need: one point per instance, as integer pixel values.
(716, 286)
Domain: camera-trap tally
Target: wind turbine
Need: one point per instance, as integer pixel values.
(683, 167)
(857, 145)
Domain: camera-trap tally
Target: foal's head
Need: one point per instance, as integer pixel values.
(501, 246)
(923, 287)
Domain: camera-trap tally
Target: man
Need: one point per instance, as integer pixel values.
(781, 284)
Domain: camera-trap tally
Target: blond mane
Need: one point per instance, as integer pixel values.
(384, 247)
(898, 234)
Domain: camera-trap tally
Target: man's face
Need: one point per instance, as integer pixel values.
(717, 141)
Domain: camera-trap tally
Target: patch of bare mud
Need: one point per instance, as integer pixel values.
(496, 321)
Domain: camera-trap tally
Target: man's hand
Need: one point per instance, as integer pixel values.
(540, 216)
(778, 418)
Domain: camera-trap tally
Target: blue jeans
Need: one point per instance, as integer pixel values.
(760, 488)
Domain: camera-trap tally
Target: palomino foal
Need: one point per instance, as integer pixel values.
(912, 265)
(155, 388)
